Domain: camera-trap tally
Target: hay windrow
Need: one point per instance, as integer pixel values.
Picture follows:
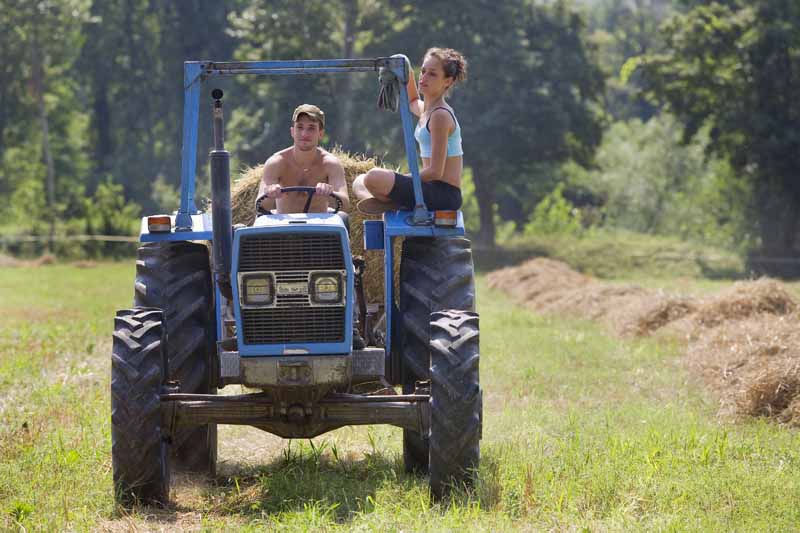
(744, 299)
(743, 343)
(7, 261)
(245, 191)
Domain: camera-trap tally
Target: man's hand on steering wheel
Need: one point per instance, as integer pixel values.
(278, 191)
(324, 189)
(274, 191)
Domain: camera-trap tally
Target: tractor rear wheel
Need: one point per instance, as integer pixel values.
(435, 274)
(139, 452)
(176, 277)
(456, 400)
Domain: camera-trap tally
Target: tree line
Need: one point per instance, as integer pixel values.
(91, 106)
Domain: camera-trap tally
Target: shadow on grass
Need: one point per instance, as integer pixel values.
(309, 478)
(715, 271)
(313, 482)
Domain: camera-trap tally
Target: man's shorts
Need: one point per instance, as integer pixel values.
(438, 195)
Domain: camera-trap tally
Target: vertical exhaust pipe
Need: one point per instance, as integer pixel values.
(220, 161)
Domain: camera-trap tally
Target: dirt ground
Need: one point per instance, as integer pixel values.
(743, 342)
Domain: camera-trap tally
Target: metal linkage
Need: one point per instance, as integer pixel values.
(335, 411)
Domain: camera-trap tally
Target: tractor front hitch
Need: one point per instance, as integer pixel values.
(411, 411)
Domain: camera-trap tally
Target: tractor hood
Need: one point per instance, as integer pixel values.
(300, 219)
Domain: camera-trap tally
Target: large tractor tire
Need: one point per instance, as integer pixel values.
(435, 274)
(456, 400)
(176, 277)
(139, 452)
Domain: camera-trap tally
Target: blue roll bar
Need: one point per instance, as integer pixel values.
(196, 72)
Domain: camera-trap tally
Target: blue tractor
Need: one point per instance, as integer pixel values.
(270, 306)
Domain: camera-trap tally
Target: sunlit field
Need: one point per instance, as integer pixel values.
(581, 430)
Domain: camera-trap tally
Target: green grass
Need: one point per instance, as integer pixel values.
(581, 431)
(620, 254)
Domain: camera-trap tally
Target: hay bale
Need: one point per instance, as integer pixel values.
(7, 261)
(743, 343)
(243, 198)
(745, 299)
(791, 415)
(531, 281)
(771, 391)
(657, 313)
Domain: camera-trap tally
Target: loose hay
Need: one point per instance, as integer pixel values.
(744, 299)
(245, 191)
(7, 261)
(744, 343)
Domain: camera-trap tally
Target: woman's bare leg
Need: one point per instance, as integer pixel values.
(376, 183)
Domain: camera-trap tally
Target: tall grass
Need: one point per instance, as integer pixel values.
(581, 431)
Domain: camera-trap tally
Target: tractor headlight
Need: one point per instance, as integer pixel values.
(257, 289)
(326, 287)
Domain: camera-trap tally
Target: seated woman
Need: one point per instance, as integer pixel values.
(439, 136)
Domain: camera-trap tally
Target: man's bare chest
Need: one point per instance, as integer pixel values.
(294, 175)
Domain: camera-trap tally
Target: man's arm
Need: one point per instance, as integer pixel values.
(336, 180)
(270, 182)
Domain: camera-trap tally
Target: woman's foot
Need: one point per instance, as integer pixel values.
(373, 206)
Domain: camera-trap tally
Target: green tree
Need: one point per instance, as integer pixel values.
(653, 183)
(41, 123)
(133, 65)
(621, 30)
(311, 29)
(532, 97)
(736, 67)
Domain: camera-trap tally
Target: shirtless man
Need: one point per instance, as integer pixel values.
(304, 164)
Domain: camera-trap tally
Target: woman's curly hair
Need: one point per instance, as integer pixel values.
(454, 63)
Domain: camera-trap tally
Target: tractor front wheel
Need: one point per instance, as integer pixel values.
(176, 277)
(435, 274)
(139, 451)
(456, 400)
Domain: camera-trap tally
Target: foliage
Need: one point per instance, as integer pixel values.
(619, 31)
(554, 215)
(312, 29)
(653, 183)
(108, 213)
(530, 100)
(736, 68)
(39, 100)
(165, 197)
(100, 85)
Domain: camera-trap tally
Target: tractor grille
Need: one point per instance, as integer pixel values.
(294, 324)
(291, 251)
(290, 257)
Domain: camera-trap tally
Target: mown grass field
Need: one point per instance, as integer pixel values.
(581, 431)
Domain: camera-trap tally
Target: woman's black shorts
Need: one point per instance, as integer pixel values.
(438, 195)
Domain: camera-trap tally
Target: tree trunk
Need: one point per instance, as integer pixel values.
(484, 192)
(779, 219)
(101, 119)
(38, 87)
(345, 96)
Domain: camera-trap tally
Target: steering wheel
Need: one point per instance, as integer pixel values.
(310, 191)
